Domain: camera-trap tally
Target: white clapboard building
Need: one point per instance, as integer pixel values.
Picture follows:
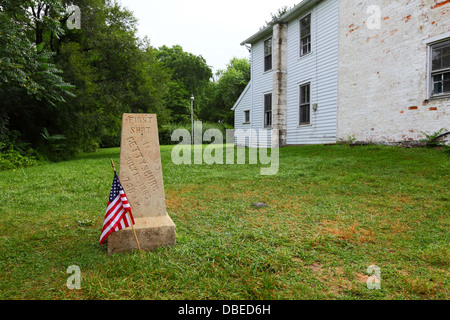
(329, 71)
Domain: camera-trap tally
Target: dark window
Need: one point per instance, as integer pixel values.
(247, 116)
(268, 110)
(268, 55)
(305, 104)
(440, 68)
(305, 35)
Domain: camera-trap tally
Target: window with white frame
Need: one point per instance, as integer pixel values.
(247, 116)
(268, 55)
(440, 69)
(305, 104)
(268, 110)
(305, 35)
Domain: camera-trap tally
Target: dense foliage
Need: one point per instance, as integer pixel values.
(63, 90)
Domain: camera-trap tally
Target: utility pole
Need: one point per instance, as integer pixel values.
(192, 119)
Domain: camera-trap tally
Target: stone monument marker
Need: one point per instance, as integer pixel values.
(141, 177)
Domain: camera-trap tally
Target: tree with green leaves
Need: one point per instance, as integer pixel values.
(114, 71)
(226, 91)
(64, 90)
(190, 75)
(25, 68)
(277, 15)
(29, 79)
(111, 71)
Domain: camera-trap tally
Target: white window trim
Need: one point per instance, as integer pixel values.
(264, 111)
(264, 55)
(249, 116)
(430, 43)
(299, 27)
(437, 39)
(300, 84)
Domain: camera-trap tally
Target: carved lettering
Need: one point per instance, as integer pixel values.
(135, 162)
(131, 166)
(150, 178)
(141, 171)
(140, 130)
(139, 120)
(141, 175)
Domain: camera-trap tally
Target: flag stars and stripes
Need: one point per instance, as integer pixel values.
(116, 217)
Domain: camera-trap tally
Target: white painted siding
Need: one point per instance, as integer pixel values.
(320, 68)
(262, 83)
(369, 84)
(253, 100)
(244, 103)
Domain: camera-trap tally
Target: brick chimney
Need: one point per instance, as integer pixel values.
(279, 90)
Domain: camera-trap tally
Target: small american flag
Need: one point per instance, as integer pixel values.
(116, 217)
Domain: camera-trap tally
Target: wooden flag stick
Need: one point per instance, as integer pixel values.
(128, 216)
(134, 232)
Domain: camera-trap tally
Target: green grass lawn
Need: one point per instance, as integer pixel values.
(333, 212)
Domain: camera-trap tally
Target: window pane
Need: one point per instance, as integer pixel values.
(437, 57)
(307, 117)
(447, 76)
(305, 22)
(268, 119)
(447, 86)
(305, 35)
(304, 94)
(306, 31)
(446, 57)
(268, 47)
(307, 40)
(437, 78)
(305, 45)
(437, 88)
(304, 114)
(268, 63)
(305, 49)
(268, 102)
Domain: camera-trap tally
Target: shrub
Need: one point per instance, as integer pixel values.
(11, 159)
(54, 147)
(432, 140)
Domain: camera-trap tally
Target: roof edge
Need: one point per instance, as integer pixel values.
(242, 96)
(283, 19)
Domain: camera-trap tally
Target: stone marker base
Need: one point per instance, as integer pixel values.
(152, 233)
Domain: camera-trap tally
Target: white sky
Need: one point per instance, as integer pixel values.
(213, 29)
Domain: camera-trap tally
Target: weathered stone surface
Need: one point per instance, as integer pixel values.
(382, 94)
(152, 233)
(280, 84)
(142, 178)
